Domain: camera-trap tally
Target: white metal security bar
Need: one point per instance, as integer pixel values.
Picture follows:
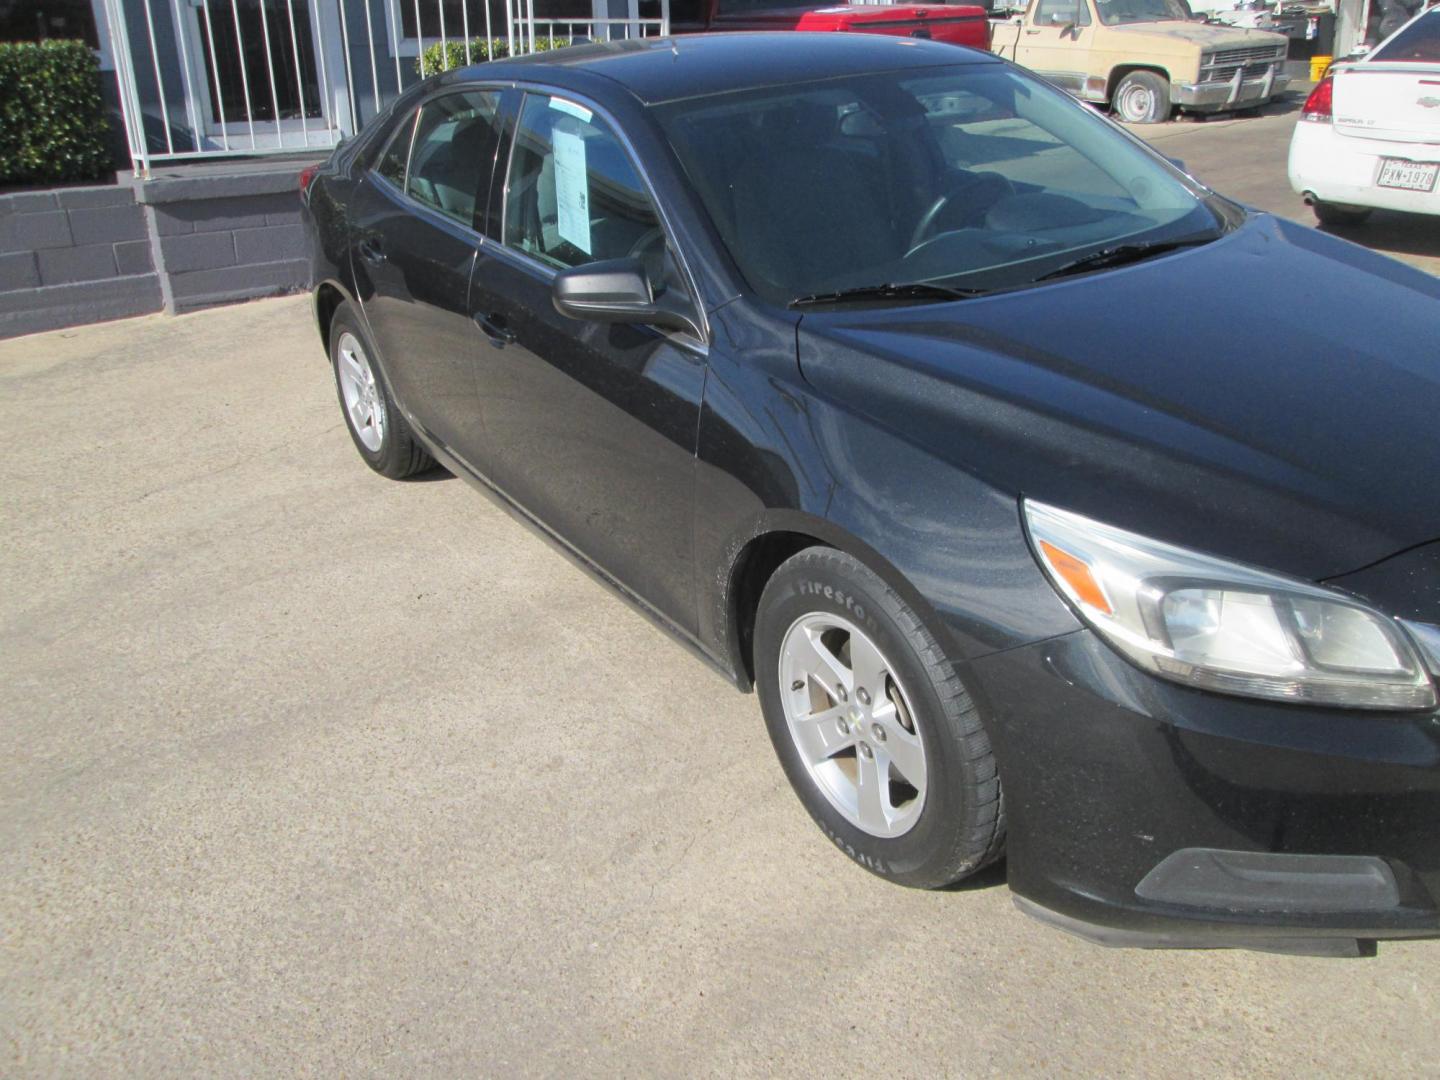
(225, 78)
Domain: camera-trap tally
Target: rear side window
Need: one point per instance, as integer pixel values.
(454, 152)
(392, 160)
(574, 196)
(1420, 42)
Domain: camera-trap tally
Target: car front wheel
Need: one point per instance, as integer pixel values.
(1143, 97)
(872, 725)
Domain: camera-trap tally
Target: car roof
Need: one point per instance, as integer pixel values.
(657, 70)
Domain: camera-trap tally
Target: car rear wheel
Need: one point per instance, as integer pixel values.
(872, 725)
(1330, 214)
(1143, 97)
(380, 433)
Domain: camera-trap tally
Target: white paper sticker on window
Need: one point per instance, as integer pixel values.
(572, 191)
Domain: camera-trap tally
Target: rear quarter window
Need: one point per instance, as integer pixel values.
(1418, 43)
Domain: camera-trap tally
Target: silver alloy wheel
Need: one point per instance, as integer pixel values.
(363, 400)
(1136, 103)
(852, 724)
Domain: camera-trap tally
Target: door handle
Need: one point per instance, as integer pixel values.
(493, 327)
(372, 251)
(1032, 31)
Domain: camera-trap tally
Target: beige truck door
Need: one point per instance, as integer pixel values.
(1055, 42)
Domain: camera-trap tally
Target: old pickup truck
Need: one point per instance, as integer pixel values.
(1144, 57)
(953, 24)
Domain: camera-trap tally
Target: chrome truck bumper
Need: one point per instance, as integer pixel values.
(1236, 93)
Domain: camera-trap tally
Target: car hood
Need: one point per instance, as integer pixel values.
(1205, 35)
(1270, 397)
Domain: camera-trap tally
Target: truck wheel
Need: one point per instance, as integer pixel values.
(1142, 97)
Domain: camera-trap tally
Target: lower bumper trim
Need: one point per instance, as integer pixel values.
(1259, 881)
(1117, 938)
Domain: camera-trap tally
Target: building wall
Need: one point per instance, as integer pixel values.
(227, 233)
(71, 256)
(205, 235)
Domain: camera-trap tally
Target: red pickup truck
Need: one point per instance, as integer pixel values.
(952, 23)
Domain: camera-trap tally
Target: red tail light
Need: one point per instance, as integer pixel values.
(1320, 105)
(307, 176)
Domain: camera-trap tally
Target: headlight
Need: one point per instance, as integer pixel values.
(1222, 626)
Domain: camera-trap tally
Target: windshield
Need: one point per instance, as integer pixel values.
(1121, 12)
(971, 176)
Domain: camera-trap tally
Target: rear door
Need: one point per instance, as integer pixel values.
(414, 244)
(1395, 94)
(592, 426)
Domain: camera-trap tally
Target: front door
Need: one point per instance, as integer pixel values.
(414, 241)
(591, 425)
(1055, 43)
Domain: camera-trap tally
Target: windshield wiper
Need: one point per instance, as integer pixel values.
(1122, 254)
(910, 290)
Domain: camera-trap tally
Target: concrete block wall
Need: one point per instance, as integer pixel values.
(189, 238)
(227, 235)
(74, 255)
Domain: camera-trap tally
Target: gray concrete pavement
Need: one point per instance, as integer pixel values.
(307, 772)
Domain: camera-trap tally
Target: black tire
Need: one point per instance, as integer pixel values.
(961, 824)
(1143, 97)
(1330, 214)
(399, 454)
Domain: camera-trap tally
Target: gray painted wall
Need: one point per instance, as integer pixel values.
(205, 235)
(73, 256)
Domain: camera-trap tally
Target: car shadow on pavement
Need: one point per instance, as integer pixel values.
(1394, 233)
(437, 472)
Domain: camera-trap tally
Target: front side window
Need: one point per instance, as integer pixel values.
(974, 176)
(574, 196)
(1417, 43)
(454, 153)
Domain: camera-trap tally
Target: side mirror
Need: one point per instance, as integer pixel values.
(619, 291)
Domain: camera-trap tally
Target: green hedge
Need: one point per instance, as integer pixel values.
(438, 58)
(52, 121)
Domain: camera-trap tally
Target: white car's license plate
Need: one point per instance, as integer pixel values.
(1410, 175)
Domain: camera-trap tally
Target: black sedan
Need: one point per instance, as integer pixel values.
(1056, 507)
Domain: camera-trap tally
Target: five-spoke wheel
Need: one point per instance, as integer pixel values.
(380, 431)
(872, 723)
(853, 724)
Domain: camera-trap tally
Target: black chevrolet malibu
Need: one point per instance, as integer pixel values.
(1056, 506)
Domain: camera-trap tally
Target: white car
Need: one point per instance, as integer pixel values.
(1369, 135)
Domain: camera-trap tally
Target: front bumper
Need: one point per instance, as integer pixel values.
(1146, 813)
(1236, 93)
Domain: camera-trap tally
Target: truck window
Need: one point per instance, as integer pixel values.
(1121, 12)
(1062, 13)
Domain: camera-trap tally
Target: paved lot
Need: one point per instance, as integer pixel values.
(307, 772)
